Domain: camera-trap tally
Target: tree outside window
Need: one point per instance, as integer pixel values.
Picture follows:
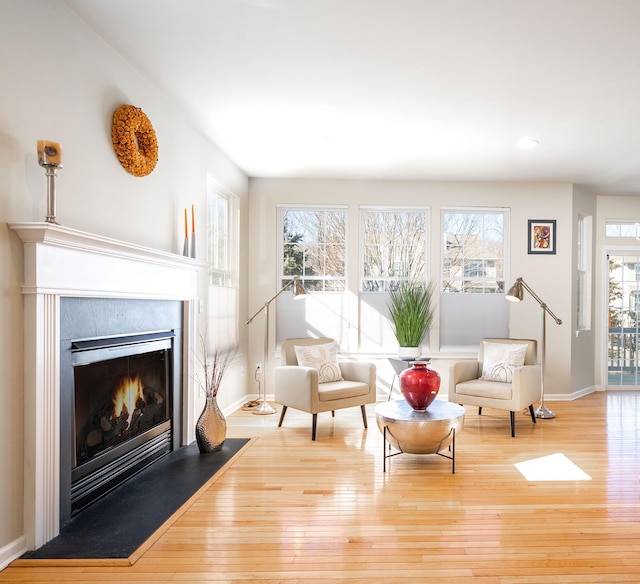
(394, 247)
(314, 248)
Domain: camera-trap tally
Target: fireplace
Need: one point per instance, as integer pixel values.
(122, 410)
(120, 389)
(82, 287)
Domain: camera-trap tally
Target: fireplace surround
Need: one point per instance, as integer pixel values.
(65, 269)
(120, 392)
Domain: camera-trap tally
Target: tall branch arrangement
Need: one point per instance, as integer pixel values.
(215, 364)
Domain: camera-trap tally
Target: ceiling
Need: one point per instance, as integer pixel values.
(398, 89)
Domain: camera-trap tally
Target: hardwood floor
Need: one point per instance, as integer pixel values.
(292, 510)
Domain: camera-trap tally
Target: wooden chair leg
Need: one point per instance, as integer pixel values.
(284, 411)
(314, 425)
(533, 414)
(480, 411)
(512, 418)
(364, 416)
(333, 413)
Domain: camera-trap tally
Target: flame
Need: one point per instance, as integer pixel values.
(127, 394)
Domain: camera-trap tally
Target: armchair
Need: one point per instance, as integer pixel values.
(504, 378)
(300, 387)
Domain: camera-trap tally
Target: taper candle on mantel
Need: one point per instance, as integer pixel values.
(193, 232)
(185, 248)
(50, 158)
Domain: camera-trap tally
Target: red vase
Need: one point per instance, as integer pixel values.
(419, 385)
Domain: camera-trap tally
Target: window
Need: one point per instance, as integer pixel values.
(394, 246)
(314, 248)
(583, 288)
(622, 228)
(474, 250)
(220, 210)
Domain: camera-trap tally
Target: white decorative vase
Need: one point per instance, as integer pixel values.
(407, 353)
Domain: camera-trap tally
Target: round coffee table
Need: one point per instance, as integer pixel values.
(413, 432)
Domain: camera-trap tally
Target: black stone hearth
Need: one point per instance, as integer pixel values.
(121, 521)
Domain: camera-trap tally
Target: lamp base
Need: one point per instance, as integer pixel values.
(544, 412)
(264, 408)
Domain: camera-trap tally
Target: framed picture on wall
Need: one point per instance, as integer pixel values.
(542, 236)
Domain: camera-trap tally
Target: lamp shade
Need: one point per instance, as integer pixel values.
(516, 292)
(298, 288)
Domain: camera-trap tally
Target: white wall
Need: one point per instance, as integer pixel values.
(61, 82)
(551, 277)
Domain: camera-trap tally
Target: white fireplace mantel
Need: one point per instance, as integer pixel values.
(59, 261)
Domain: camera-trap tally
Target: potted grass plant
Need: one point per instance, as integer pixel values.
(411, 313)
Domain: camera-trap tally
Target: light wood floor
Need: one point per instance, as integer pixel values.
(292, 510)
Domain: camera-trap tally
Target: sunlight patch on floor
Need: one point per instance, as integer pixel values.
(554, 467)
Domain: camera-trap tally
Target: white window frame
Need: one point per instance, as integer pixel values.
(468, 316)
(323, 312)
(585, 261)
(622, 228)
(328, 281)
(221, 264)
(387, 279)
(463, 278)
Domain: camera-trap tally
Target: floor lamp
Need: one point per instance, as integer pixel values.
(298, 292)
(516, 294)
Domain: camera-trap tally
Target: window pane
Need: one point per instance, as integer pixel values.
(314, 247)
(473, 251)
(473, 277)
(629, 228)
(394, 246)
(219, 213)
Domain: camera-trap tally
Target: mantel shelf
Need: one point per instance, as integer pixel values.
(64, 261)
(60, 236)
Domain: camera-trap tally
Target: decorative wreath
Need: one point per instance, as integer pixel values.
(134, 140)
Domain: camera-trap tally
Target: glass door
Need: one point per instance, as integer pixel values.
(623, 368)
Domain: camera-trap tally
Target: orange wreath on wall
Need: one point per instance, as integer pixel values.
(134, 140)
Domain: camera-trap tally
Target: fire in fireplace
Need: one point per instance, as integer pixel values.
(118, 399)
(122, 410)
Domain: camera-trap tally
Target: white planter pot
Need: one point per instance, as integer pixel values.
(409, 352)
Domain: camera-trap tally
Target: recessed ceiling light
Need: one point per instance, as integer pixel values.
(526, 143)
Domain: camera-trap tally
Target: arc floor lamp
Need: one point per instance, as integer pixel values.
(298, 292)
(516, 294)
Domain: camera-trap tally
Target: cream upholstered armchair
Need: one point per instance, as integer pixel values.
(311, 379)
(504, 377)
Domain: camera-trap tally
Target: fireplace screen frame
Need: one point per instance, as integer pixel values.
(95, 477)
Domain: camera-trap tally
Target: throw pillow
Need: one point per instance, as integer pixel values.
(500, 359)
(322, 357)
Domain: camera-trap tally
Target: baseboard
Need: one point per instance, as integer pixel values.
(570, 396)
(12, 551)
(237, 405)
